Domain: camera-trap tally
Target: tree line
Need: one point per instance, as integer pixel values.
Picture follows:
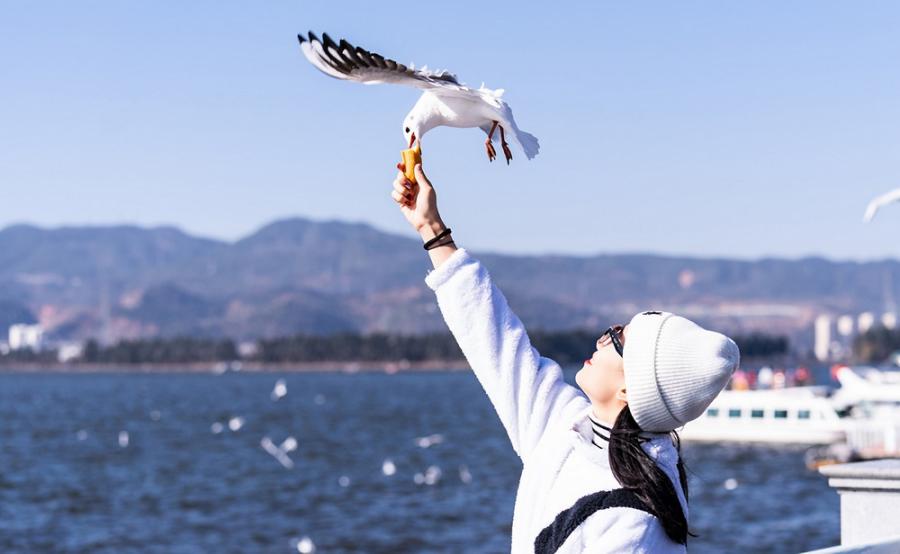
(876, 345)
(565, 347)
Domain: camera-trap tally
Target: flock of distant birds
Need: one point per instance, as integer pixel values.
(281, 452)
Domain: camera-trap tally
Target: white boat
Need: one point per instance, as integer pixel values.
(866, 385)
(798, 415)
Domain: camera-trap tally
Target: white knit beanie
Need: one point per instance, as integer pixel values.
(674, 369)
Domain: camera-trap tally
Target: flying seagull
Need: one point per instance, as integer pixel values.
(444, 101)
(880, 202)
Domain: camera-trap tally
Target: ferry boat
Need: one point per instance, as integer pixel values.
(797, 415)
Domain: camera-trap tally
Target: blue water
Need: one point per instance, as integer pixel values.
(66, 485)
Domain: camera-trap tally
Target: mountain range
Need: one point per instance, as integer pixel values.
(318, 277)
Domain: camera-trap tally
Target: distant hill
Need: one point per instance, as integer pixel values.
(303, 276)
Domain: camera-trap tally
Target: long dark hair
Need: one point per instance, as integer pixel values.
(637, 471)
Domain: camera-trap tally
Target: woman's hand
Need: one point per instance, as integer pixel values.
(418, 202)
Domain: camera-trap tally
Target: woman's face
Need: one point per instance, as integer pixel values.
(603, 374)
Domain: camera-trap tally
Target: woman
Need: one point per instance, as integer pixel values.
(601, 465)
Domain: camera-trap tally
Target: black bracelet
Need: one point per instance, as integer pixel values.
(445, 243)
(438, 237)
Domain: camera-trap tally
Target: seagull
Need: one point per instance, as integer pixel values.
(279, 391)
(430, 440)
(276, 452)
(444, 101)
(236, 423)
(880, 202)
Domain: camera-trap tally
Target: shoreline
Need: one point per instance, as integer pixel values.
(215, 368)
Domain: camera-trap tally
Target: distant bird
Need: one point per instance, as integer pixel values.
(305, 546)
(880, 202)
(444, 102)
(288, 445)
(429, 441)
(279, 391)
(276, 452)
(236, 423)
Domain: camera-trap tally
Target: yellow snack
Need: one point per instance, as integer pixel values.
(411, 157)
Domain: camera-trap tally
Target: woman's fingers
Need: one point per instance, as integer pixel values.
(404, 191)
(399, 198)
(401, 188)
(403, 195)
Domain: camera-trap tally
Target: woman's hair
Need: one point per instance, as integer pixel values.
(637, 472)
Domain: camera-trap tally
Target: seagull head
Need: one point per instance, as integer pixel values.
(423, 117)
(412, 130)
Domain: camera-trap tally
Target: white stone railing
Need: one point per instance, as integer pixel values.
(870, 506)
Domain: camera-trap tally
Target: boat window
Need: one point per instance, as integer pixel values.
(780, 414)
(712, 412)
(756, 413)
(734, 412)
(803, 414)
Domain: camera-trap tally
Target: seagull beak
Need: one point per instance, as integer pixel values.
(412, 139)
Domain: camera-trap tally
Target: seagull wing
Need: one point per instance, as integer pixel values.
(878, 203)
(352, 63)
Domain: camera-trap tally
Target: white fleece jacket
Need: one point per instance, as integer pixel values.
(546, 419)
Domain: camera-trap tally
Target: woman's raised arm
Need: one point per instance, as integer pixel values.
(527, 391)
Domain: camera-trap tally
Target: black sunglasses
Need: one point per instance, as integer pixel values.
(615, 334)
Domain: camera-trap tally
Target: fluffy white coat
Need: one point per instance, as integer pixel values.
(546, 420)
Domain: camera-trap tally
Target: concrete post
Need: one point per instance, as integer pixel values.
(870, 500)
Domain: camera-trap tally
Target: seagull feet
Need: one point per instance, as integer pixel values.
(491, 153)
(507, 152)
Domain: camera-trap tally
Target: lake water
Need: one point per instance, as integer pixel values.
(70, 483)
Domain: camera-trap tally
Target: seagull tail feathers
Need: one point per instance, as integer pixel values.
(529, 143)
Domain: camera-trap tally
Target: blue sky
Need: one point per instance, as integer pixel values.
(703, 128)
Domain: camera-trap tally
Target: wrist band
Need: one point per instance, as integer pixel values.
(445, 243)
(437, 237)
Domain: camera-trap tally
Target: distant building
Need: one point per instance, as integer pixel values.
(23, 336)
(865, 321)
(822, 344)
(69, 351)
(845, 325)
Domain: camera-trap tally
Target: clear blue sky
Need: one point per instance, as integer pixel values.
(704, 128)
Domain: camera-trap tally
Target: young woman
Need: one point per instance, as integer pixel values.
(601, 470)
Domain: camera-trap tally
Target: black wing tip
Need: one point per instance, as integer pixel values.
(310, 37)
